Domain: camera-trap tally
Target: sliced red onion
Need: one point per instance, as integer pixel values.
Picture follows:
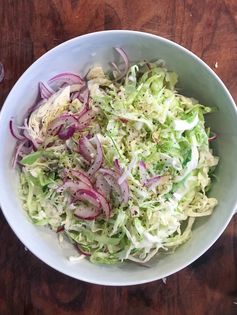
(82, 161)
(142, 171)
(74, 96)
(82, 251)
(78, 122)
(111, 178)
(152, 180)
(57, 126)
(161, 181)
(87, 212)
(124, 120)
(102, 186)
(61, 120)
(124, 185)
(106, 171)
(13, 132)
(88, 195)
(86, 149)
(82, 177)
(113, 183)
(67, 133)
(127, 171)
(98, 159)
(105, 205)
(84, 120)
(126, 63)
(17, 152)
(125, 191)
(45, 91)
(60, 229)
(117, 166)
(2, 72)
(84, 110)
(142, 164)
(83, 95)
(74, 187)
(115, 68)
(66, 77)
(213, 137)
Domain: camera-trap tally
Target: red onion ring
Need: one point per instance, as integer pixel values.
(74, 187)
(84, 110)
(82, 177)
(87, 213)
(116, 68)
(117, 166)
(125, 191)
(66, 77)
(213, 137)
(113, 183)
(142, 164)
(123, 120)
(74, 96)
(84, 95)
(124, 56)
(102, 186)
(67, 133)
(45, 92)
(106, 171)
(14, 134)
(152, 180)
(59, 121)
(142, 171)
(105, 205)
(84, 120)
(88, 195)
(17, 152)
(127, 171)
(60, 229)
(98, 159)
(82, 251)
(86, 149)
(124, 185)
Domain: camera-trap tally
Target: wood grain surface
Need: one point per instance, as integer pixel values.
(28, 28)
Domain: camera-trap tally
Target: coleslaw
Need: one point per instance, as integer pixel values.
(120, 163)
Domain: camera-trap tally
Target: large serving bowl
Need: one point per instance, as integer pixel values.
(195, 79)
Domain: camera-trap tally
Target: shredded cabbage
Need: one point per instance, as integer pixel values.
(139, 118)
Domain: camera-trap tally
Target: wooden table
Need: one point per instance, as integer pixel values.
(28, 28)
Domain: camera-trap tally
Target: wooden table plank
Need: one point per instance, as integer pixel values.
(31, 27)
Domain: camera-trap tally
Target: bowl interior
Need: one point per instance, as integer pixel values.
(195, 79)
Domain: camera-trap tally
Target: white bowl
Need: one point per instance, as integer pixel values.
(195, 78)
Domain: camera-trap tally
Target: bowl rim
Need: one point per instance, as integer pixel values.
(148, 279)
